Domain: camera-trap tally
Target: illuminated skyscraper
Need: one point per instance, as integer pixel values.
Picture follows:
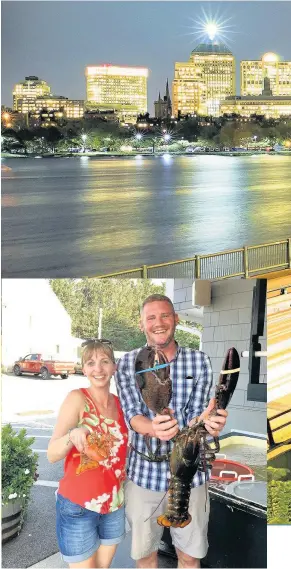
(121, 89)
(25, 93)
(205, 80)
(254, 72)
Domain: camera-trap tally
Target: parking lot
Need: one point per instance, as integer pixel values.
(27, 396)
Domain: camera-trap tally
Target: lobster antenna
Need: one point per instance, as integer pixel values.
(156, 507)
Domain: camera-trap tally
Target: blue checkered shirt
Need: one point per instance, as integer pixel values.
(191, 376)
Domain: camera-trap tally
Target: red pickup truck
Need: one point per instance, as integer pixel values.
(45, 367)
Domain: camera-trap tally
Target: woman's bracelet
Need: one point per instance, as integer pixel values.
(69, 435)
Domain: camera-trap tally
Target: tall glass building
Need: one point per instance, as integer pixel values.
(271, 66)
(26, 92)
(204, 81)
(121, 89)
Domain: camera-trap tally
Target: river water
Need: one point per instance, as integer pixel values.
(73, 217)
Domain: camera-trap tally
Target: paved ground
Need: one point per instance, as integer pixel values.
(27, 397)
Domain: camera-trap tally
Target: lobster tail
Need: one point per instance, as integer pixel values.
(177, 514)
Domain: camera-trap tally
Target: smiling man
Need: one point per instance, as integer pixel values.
(191, 377)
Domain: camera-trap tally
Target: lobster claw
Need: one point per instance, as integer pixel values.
(152, 371)
(228, 379)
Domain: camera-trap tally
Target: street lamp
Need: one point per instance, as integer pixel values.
(6, 117)
(167, 137)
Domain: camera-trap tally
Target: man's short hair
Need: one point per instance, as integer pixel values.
(157, 297)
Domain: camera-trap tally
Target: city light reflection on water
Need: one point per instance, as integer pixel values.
(72, 217)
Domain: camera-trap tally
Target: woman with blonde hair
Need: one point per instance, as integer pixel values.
(91, 435)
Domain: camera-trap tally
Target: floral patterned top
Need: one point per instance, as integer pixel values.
(95, 478)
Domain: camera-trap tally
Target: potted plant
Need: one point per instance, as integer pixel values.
(19, 465)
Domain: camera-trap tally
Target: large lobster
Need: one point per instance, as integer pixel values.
(191, 449)
(153, 379)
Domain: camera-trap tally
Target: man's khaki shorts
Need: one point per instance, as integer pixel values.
(141, 504)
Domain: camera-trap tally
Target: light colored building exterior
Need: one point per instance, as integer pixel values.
(227, 323)
(34, 320)
(117, 88)
(270, 107)
(204, 81)
(26, 92)
(254, 72)
(72, 109)
(264, 104)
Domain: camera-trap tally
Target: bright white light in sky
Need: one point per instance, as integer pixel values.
(211, 29)
(211, 26)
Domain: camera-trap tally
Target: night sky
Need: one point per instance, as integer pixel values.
(56, 40)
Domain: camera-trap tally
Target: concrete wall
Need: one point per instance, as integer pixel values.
(226, 323)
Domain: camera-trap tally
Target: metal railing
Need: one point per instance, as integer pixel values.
(245, 262)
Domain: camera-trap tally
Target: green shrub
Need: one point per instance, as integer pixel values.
(279, 502)
(278, 473)
(19, 465)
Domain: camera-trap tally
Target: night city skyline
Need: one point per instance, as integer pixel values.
(47, 38)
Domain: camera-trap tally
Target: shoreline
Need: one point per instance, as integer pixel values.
(5, 155)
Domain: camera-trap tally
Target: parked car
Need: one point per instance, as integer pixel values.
(46, 367)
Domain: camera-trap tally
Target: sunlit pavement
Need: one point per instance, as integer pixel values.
(29, 398)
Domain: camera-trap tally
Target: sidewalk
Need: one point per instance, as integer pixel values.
(121, 559)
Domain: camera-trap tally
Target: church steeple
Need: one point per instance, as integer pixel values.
(163, 106)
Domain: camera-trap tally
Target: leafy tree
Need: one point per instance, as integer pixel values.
(190, 129)
(120, 300)
(186, 339)
(52, 136)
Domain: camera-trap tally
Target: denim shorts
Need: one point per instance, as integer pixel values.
(81, 531)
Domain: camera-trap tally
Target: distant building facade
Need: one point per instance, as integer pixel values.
(26, 92)
(106, 116)
(70, 108)
(264, 104)
(119, 89)
(163, 106)
(254, 72)
(204, 81)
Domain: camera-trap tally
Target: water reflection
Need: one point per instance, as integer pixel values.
(73, 217)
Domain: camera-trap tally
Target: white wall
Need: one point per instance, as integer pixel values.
(33, 320)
